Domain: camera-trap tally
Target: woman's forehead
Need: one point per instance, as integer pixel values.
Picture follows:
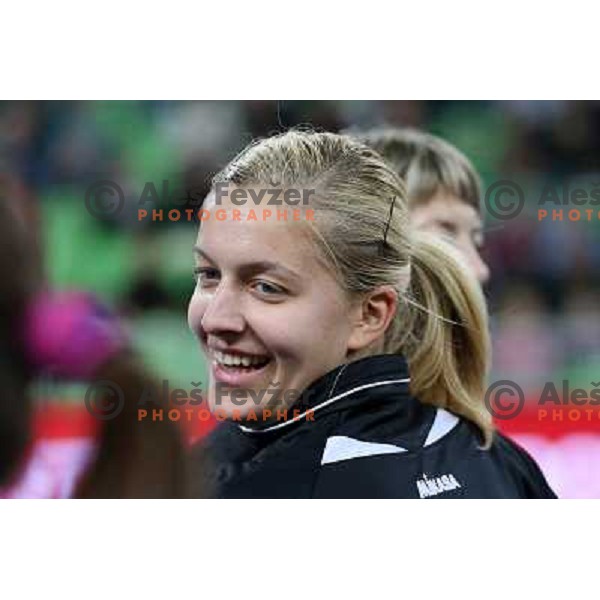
(447, 206)
(237, 241)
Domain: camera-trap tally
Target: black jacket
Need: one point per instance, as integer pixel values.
(369, 439)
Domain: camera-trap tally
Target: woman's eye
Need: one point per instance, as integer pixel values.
(268, 289)
(206, 275)
(448, 230)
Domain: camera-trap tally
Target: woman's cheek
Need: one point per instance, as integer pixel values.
(196, 309)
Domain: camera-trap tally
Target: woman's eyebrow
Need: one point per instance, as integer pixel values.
(252, 268)
(199, 252)
(265, 266)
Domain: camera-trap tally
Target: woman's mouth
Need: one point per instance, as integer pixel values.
(238, 369)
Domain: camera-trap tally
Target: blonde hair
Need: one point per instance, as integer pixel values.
(362, 229)
(426, 163)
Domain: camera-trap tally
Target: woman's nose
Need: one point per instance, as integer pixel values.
(484, 272)
(480, 268)
(223, 313)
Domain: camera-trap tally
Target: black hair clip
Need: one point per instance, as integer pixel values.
(384, 242)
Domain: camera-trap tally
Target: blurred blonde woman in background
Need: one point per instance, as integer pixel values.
(443, 187)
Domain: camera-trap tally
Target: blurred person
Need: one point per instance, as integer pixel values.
(444, 189)
(378, 329)
(72, 336)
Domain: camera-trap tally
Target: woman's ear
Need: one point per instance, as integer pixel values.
(372, 316)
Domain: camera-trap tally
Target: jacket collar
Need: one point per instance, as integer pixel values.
(343, 386)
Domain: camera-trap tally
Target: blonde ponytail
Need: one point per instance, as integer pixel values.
(448, 348)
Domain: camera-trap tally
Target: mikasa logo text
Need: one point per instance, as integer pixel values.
(432, 486)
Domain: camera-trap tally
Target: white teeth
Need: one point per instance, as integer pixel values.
(234, 360)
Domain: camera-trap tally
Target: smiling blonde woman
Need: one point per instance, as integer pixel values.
(379, 332)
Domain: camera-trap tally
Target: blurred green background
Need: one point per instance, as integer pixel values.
(543, 293)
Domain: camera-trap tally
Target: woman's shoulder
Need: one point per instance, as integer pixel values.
(522, 465)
